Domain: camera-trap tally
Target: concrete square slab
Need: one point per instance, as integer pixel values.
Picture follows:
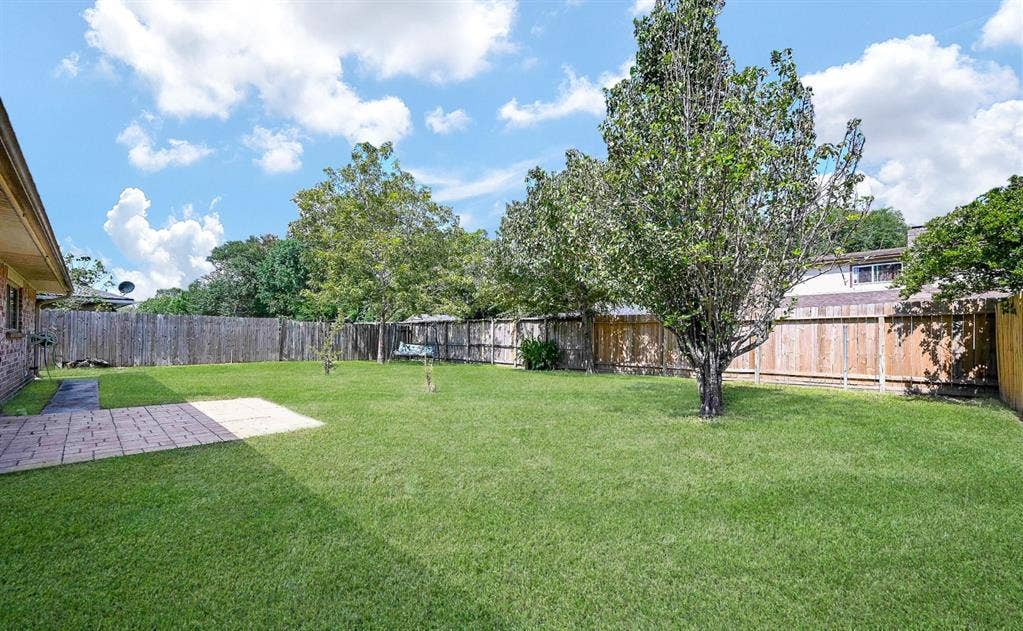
(254, 417)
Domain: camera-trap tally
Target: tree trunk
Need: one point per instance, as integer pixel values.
(381, 328)
(587, 324)
(712, 403)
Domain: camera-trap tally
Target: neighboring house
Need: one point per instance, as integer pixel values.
(30, 262)
(855, 278)
(86, 299)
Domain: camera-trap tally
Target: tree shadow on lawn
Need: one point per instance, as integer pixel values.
(204, 536)
(119, 389)
(746, 401)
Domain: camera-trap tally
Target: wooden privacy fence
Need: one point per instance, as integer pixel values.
(884, 347)
(1009, 325)
(143, 339)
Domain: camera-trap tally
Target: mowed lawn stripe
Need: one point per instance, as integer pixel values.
(516, 499)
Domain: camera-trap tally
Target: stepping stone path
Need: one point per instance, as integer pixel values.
(74, 395)
(44, 440)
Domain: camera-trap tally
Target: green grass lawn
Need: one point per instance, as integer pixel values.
(30, 400)
(515, 499)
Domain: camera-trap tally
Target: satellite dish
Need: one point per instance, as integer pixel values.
(126, 287)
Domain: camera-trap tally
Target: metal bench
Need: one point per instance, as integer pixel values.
(414, 351)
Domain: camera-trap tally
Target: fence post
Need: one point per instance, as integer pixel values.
(756, 365)
(280, 339)
(881, 334)
(468, 341)
(664, 351)
(515, 343)
(493, 344)
(845, 356)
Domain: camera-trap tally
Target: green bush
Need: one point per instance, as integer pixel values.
(539, 354)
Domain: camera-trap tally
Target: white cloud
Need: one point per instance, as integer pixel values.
(69, 66)
(440, 122)
(172, 256)
(941, 127)
(451, 188)
(1005, 27)
(640, 7)
(575, 95)
(203, 59)
(281, 150)
(529, 63)
(103, 69)
(143, 155)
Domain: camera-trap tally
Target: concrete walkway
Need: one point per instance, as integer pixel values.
(45, 440)
(74, 395)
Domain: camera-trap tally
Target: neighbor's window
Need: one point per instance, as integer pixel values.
(13, 308)
(877, 273)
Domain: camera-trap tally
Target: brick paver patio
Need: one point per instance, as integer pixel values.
(44, 440)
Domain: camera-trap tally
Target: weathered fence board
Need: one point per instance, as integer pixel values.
(881, 347)
(1009, 335)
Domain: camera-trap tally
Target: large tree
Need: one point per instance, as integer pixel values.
(172, 301)
(86, 273)
(232, 288)
(879, 229)
(975, 248)
(724, 198)
(549, 244)
(261, 276)
(377, 240)
(281, 278)
(468, 286)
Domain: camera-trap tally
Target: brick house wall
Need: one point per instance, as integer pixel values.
(16, 356)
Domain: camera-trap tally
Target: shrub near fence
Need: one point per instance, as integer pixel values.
(882, 347)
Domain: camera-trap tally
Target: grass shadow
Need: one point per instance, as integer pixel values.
(134, 388)
(206, 536)
(743, 400)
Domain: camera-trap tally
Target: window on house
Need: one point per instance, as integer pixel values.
(877, 273)
(13, 308)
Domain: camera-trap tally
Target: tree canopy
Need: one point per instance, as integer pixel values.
(879, 229)
(85, 272)
(378, 242)
(549, 244)
(723, 197)
(261, 276)
(468, 286)
(171, 301)
(975, 248)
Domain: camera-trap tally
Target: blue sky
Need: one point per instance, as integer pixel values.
(156, 131)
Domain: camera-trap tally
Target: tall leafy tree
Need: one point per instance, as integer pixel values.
(281, 277)
(86, 273)
(879, 229)
(261, 276)
(550, 247)
(724, 198)
(467, 286)
(377, 239)
(173, 301)
(232, 288)
(975, 248)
